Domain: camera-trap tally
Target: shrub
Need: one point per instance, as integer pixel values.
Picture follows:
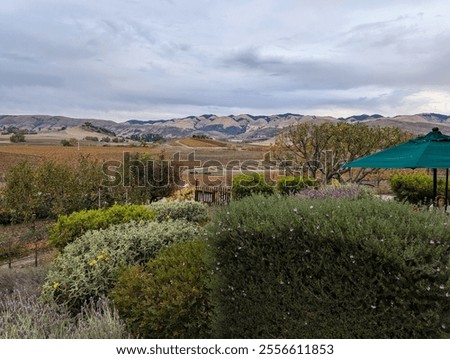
(24, 316)
(68, 228)
(293, 184)
(189, 210)
(91, 138)
(290, 268)
(246, 184)
(415, 188)
(89, 266)
(17, 137)
(167, 299)
(69, 142)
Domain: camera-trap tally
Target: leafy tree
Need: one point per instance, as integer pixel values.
(69, 142)
(319, 150)
(19, 191)
(140, 179)
(51, 188)
(18, 137)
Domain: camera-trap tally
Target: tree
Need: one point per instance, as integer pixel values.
(140, 179)
(51, 189)
(69, 142)
(17, 137)
(20, 193)
(320, 150)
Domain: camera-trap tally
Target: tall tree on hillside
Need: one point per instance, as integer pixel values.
(319, 150)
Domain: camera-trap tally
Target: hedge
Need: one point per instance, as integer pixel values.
(68, 228)
(291, 268)
(247, 184)
(415, 188)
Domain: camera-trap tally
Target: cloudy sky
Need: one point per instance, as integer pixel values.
(160, 59)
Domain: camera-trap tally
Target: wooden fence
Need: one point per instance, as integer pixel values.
(213, 195)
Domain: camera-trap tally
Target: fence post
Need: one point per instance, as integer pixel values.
(33, 231)
(13, 221)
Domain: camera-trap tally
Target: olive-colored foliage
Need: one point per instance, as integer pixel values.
(290, 268)
(68, 228)
(51, 188)
(140, 179)
(17, 137)
(168, 298)
(415, 188)
(288, 185)
(246, 184)
(188, 210)
(321, 149)
(89, 266)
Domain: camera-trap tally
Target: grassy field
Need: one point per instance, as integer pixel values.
(202, 150)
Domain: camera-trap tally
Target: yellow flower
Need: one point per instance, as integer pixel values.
(100, 257)
(55, 285)
(92, 262)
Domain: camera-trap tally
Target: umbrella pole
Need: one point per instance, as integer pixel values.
(446, 189)
(434, 184)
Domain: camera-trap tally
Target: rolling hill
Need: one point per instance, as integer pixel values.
(244, 127)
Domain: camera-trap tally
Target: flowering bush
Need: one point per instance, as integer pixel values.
(89, 266)
(24, 316)
(333, 268)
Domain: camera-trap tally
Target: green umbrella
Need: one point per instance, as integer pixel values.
(430, 151)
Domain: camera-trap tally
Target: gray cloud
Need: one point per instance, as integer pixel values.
(110, 57)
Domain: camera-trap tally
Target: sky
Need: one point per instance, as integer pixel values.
(162, 59)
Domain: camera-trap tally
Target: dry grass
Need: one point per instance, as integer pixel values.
(12, 154)
(199, 142)
(205, 150)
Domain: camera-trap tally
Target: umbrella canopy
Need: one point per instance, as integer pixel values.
(430, 151)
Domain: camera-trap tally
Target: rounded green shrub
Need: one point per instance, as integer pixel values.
(68, 228)
(246, 184)
(89, 267)
(335, 268)
(415, 188)
(288, 185)
(168, 298)
(189, 210)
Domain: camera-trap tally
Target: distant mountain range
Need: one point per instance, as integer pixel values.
(242, 127)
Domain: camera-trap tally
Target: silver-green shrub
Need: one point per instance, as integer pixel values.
(189, 210)
(89, 267)
(24, 316)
